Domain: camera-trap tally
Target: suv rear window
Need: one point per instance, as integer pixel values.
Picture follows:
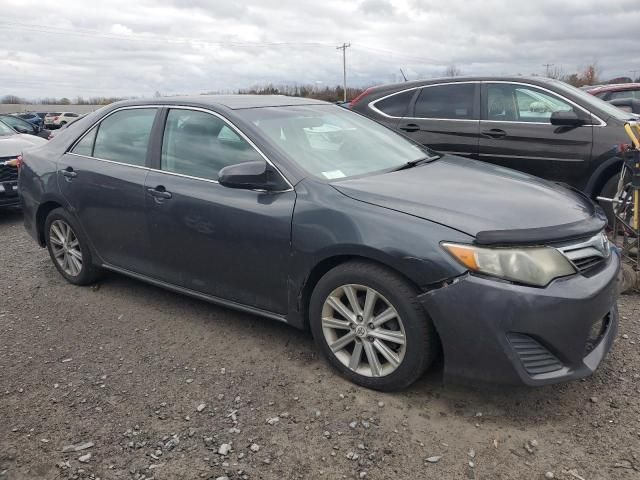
(396, 105)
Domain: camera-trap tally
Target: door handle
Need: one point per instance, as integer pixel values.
(69, 173)
(410, 127)
(494, 133)
(159, 192)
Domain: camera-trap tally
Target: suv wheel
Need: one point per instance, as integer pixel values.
(68, 249)
(368, 323)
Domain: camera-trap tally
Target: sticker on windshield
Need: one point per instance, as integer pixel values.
(333, 174)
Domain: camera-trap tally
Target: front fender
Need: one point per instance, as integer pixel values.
(327, 224)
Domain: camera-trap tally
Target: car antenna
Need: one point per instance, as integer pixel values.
(404, 76)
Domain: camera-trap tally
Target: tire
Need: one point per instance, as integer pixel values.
(411, 324)
(609, 190)
(65, 245)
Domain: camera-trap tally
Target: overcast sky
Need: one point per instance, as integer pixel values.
(137, 47)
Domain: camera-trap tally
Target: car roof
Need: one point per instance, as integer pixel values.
(233, 102)
(419, 83)
(615, 87)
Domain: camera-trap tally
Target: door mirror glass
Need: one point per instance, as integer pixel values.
(566, 119)
(255, 175)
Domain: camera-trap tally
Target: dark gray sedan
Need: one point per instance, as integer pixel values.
(310, 214)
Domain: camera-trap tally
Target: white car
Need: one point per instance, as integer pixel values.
(58, 119)
(12, 145)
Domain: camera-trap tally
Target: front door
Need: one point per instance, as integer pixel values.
(445, 117)
(516, 132)
(229, 243)
(102, 179)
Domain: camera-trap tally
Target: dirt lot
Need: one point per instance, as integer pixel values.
(168, 387)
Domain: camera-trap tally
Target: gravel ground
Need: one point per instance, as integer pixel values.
(149, 384)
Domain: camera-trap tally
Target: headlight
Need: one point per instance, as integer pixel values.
(530, 265)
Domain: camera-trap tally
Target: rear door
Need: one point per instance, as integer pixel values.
(102, 177)
(516, 132)
(229, 243)
(445, 117)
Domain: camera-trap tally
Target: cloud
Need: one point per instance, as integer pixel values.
(74, 47)
(377, 7)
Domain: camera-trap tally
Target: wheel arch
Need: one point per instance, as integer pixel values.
(327, 264)
(601, 175)
(41, 217)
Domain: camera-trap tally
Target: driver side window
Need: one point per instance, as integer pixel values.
(199, 144)
(521, 103)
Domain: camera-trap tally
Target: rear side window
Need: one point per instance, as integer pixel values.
(85, 146)
(453, 101)
(124, 136)
(396, 105)
(199, 144)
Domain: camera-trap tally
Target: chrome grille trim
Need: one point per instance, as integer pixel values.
(587, 254)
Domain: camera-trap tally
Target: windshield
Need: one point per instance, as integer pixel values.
(5, 130)
(331, 142)
(593, 100)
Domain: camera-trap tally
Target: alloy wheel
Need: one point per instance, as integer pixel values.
(363, 330)
(65, 247)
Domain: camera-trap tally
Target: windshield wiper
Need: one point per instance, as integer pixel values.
(416, 162)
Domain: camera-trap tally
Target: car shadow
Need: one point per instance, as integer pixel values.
(9, 215)
(477, 402)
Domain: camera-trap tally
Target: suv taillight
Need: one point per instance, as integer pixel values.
(360, 97)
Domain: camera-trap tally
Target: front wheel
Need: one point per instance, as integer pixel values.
(68, 249)
(368, 323)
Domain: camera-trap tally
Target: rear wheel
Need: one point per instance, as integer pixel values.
(368, 323)
(68, 249)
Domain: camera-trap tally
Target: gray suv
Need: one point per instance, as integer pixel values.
(540, 126)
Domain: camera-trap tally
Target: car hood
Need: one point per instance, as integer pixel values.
(492, 203)
(15, 144)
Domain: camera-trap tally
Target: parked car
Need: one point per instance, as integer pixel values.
(307, 213)
(625, 96)
(53, 133)
(32, 118)
(12, 145)
(616, 91)
(22, 126)
(59, 119)
(539, 126)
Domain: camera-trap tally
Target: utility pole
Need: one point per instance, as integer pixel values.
(633, 79)
(548, 67)
(344, 47)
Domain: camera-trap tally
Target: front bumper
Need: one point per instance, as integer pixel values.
(498, 332)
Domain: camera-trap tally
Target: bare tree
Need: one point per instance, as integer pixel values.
(12, 99)
(555, 71)
(452, 71)
(591, 74)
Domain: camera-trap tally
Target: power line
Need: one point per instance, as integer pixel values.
(548, 68)
(344, 47)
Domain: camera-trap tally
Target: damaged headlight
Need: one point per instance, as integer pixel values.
(529, 265)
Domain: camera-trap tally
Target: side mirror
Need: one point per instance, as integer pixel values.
(256, 175)
(566, 119)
